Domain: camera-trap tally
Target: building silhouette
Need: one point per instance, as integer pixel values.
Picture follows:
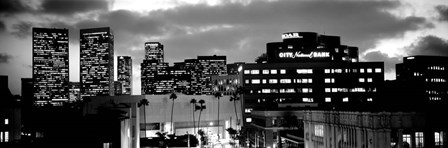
(50, 66)
(427, 74)
(124, 74)
(97, 62)
(193, 76)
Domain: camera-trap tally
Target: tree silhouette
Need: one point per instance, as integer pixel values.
(200, 107)
(193, 103)
(173, 96)
(144, 103)
(218, 96)
(236, 97)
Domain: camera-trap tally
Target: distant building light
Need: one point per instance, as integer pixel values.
(6, 121)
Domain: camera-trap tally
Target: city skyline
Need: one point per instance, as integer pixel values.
(236, 29)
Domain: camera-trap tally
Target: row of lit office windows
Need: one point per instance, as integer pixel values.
(287, 90)
(436, 68)
(356, 89)
(310, 71)
(301, 80)
(305, 99)
(361, 70)
(281, 81)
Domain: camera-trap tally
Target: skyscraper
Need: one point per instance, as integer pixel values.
(124, 72)
(50, 66)
(154, 51)
(97, 62)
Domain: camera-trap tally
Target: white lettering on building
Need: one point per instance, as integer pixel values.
(291, 35)
(302, 55)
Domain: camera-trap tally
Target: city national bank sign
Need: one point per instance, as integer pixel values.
(298, 54)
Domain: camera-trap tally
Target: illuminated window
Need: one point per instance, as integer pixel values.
(304, 71)
(265, 71)
(307, 99)
(328, 99)
(337, 70)
(1, 136)
(248, 119)
(369, 80)
(246, 81)
(407, 139)
(307, 90)
(288, 90)
(273, 71)
(266, 91)
(290, 46)
(255, 81)
(263, 81)
(319, 130)
(305, 80)
(6, 137)
(329, 80)
(369, 99)
(327, 71)
(354, 70)
(285, 81)
(361, 70)
(246, 71)
(327, 89)
(255, 72)
(272, 81)
(362, 80)
(248, 110)
(345, 99)
(6, 121)
(282, 71)
(419, 140)
(369, 70)
(438, 138)
(378, 70)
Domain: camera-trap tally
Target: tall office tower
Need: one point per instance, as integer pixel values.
(50, 66)
(425, 79)
(154, 51)
(97, 62)
(124, 72)
(211, 65)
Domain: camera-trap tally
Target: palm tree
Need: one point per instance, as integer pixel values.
(173, 96)
(193, 103)
(235, 98)
(200, 107)
(218, 96)
(145, 103)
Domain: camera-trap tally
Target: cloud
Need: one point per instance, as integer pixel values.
(429, 45)
(2, 26)
(11, 6)
(22, 29)
(443, 12)
(4, 58)
(389, 62)
(73, 6)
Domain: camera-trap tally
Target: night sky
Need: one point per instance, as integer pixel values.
(239, 29)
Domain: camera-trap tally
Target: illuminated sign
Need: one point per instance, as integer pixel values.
(291, 35)
(302, 55)
(152, 44)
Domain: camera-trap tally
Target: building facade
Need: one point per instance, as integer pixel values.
(192, 77)
(310, 70)
(124, 74)
(97, 62)
(428, 76)
(326, 129)
(50, 66)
